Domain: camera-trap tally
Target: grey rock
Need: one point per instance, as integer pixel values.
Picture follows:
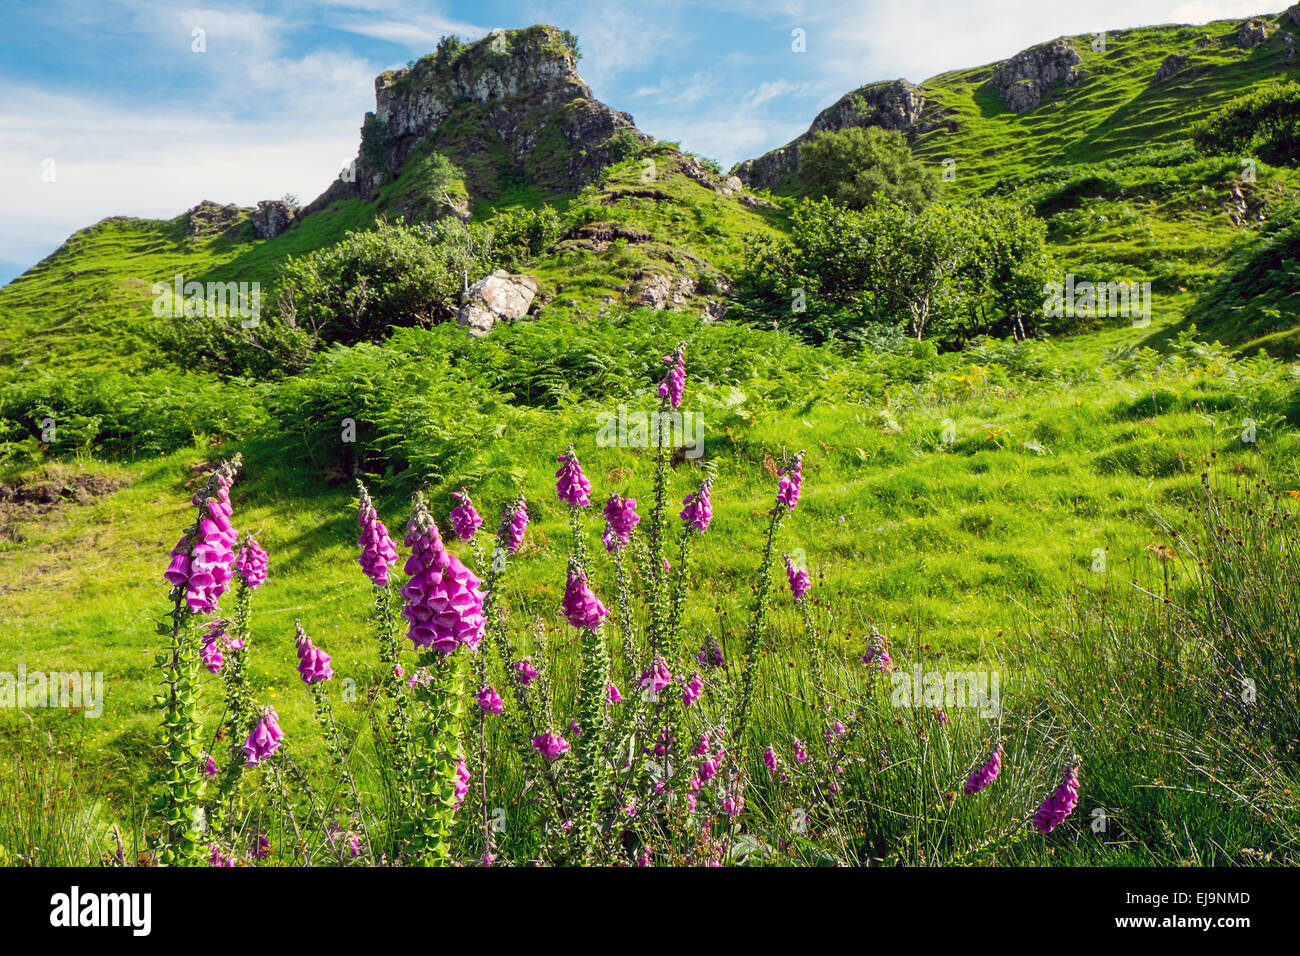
(659, 291)
(1251, 33)
(1022, 80)
(272, 217)
(1169, 66)
(496, 298)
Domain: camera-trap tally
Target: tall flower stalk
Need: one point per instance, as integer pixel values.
(315, 670)
(444, 611)
(787, 497)
(199, 573)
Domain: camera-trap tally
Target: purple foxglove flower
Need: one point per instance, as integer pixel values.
(708, 769)
(265, 738)
(769, 759)
(525, 672)
(354, 845)
(461, 783)
(877, 654)
(551, 745)
(733, 805)
(657, 677)
(464, 519)
(514, 523)
(710, 654)
(674, 384)
(209, 766)
(214, 639)
(217, 858)
(698, 510)
(378, 553)
(691, 690)
(791, 483)
(1061, 802)
(798, 578)
(489, 701)
(250, 564)
(581, 607)
(263, 848)
(313, 663)
(612, 696)
(202, 561)
(444, 605)
(800, 754)
(620, 519)
(572, 486)
(981, 777)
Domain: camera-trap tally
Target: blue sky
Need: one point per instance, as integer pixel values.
(110, 97)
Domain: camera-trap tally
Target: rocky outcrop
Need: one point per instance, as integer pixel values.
(209, 218)
(1251, 33)
(496, 298)
(1169, 66)
(1292, 13)
(1021, 81)
(272, 217)
(514, 95)
(895, 105)
(658, 291)
(1204, 41)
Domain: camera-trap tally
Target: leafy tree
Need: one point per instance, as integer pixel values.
(370, 281)
(859, 166)
(950, 272)
(1265, 122)
(514, 237)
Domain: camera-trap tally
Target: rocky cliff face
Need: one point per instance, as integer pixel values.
(1021, 81)
(509, 106)
(896, 105)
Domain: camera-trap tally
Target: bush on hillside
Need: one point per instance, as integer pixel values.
(392, 275)
(858, 167)
(949, 271)
(1265, 122)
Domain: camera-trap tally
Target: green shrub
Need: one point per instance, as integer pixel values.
(371, 281)
(1264, 122)
(858, 167)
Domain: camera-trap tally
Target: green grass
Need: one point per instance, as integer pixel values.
(956, 502)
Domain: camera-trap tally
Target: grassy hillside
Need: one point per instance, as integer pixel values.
(967, 504)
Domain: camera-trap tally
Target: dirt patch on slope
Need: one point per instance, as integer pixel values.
(27, 498)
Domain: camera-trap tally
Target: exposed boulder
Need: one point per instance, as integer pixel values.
(1293, 14)
(272, 217)
(659, 291)
(1021, 81)
(1203, 41)
(495, 298)
(895, 105)
(1251, 33)
(209, 218)
(1169, 66)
